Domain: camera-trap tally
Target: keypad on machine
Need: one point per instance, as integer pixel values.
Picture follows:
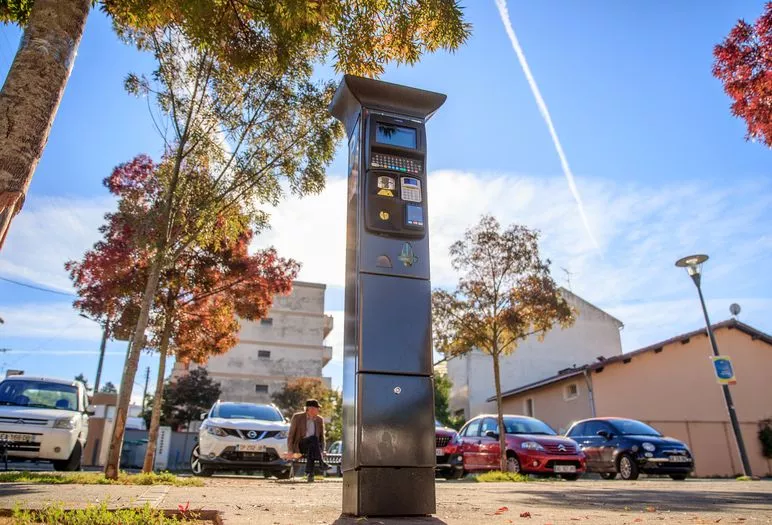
(392, 162)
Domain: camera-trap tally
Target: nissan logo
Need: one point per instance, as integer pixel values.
(251, 434)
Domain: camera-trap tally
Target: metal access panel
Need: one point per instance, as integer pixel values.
(397, 488)
(397, 425)
(396, 316)
(388, 396)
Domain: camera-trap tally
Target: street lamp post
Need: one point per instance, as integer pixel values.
(693, 265)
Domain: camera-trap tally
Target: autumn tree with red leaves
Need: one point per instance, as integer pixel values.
(744, 65)
(199, 298)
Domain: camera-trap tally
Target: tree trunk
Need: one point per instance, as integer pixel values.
(500, 412)
(31, 95)
(130, 371)
(138, 336)
(155, 420)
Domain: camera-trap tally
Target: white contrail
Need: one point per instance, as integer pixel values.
(504, 12)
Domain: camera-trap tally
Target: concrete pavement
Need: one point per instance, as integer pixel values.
(243, 500)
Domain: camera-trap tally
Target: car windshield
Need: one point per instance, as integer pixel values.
(39, 394)
(247, 411)
(629, 427)
(527, 426)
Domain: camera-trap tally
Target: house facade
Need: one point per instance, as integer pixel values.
(594, 333)
(672, 386)
(287, 343)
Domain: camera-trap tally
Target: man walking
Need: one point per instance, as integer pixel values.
(306, 436)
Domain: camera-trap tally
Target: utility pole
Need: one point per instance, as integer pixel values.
(144, 396)
(102, 346)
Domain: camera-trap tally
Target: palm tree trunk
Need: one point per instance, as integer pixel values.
(155, 420)
(31, 95)
(500, 412)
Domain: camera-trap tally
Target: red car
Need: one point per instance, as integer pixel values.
(532, 447)
(450, 463)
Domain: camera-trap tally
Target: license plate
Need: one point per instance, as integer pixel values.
(565, 468)
(249, 447)
(440, 451)
(16, 438)
(679, 459)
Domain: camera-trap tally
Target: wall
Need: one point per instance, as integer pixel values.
(551, 404)
(676, 391)
(293, 333)
(594, 334)
(180, 449)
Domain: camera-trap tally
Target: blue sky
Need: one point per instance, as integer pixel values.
(661, 165)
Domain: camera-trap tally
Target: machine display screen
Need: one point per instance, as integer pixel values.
(395, 135)
(415, 215)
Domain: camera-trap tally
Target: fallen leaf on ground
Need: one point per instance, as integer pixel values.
(651, 509)
(637, 520)
(501, 510)
(525, 514)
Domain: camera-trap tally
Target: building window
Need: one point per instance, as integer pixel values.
(261, 389)
(571, 392)
(268, 321)
(528, 407)
(263, 354)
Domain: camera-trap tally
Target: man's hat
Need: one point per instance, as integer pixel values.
(312, 403)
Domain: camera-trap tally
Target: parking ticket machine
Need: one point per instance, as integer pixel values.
(388, 396)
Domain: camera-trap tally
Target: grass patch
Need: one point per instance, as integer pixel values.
(98, 515)
(97, 478)
(494, 476)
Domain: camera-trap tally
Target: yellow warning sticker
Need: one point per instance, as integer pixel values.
(386, 193)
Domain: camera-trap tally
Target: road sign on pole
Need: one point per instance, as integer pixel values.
(724, 370)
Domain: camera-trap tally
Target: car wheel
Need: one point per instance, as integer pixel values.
(73, 462)
(570, 477)
(513, 464)
(452, 474)
(627, 468)
(608, 475)
(196, 466)
(678, 477)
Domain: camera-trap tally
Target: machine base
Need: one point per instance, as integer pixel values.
(388, 491)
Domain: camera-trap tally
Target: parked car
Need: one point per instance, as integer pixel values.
(44, 418)
(334, 458)
(532, 447)
(450, 460)
(242, 436)
(628, 447)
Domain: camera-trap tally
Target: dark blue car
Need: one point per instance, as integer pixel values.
(628, 448)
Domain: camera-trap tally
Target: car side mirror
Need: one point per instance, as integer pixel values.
(491, 434)
(203, 416)
(90, 410)
(604, 434)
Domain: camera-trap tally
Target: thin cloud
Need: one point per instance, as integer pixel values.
(504, 13)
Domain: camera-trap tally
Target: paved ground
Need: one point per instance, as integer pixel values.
(255, 501)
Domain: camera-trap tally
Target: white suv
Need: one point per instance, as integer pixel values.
(242, 436)
(44, 418)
